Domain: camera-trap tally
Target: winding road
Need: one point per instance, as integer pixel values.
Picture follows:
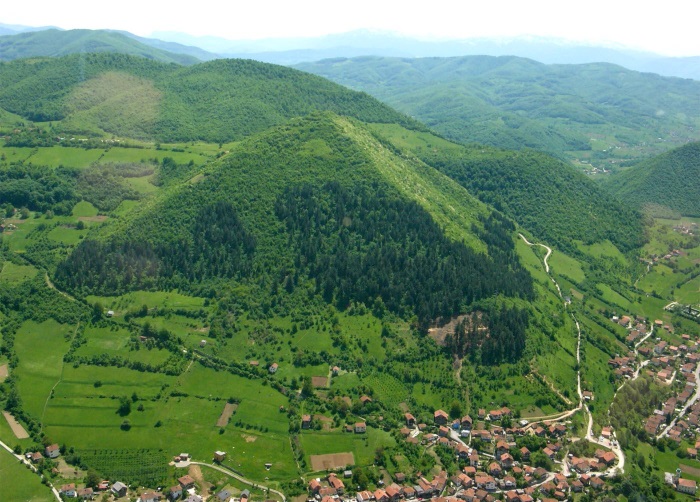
(581, 404)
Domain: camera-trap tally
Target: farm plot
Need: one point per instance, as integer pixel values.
(229, 410)
(40, 348)
(332, 461)
(144, 467)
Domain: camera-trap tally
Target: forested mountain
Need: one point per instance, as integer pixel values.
(592, 113)
(320, 200)
(671, 180)
(61, 43)
(543, 194)
(129, 96)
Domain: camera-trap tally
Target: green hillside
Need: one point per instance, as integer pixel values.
(544, 195)
(671, 180)
(56, 43)
(307, 202)
(128, 96)
(589, 113)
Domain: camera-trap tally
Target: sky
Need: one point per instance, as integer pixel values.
(667, 28)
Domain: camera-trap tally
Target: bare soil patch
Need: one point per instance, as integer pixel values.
(196, 474)
(693, 471)
(15, 426)
(439, 331)
(248, 438)
(319, 381)
(229, 410)
(69, 471)
(4, 372)
(332, 461)
(99, 218)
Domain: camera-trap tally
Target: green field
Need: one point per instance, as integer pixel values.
(40, 349)
(362, 446)
(19, 483)
(13, 274)
(84, 209)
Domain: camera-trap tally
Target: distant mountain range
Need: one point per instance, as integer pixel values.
(372, 43)
(289, 51)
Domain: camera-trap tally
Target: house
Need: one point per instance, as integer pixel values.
(69, 490)
(360, 428)
(273, 368)
(443, 431)
(306, 421)
(393, 491)
(335, 370)
(549, 453)
(85, 493)
(225, 496)
(495, 414)
(202, 343)
(506, 460)
(587, 395)
(381, 496)
(52, 451)
(365, 400)
(525, 454)
(37, 457)
(314, 486)
(409, 493)
(186, 481)
(364, 496)
(175, 492)
(336, 483)
(466, 423)
(686, 486)
(495, 469)
(219, 456)
(119, 489)
(410, 420)
(194, 498)
(441, 418)
(150, 497)
(596, 483)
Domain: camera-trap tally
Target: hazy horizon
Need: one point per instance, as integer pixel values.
(669, 31)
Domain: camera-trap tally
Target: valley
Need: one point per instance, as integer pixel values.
(261, 294)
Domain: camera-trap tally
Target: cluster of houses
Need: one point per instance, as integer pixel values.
(601, 461)
(483, 476)
(686, 228)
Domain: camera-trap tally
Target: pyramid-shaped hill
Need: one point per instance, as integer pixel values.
(320, 203)
(134, 97)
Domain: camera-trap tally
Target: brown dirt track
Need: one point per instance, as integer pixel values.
(229, 409)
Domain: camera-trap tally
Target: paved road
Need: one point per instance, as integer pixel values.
(689, 404)
(241, 478)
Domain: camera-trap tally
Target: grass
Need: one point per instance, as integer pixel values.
(115, 342)
(363, 446)
(65, 156)
(564, 265)
(602, 249)
(40, 348)
(67, 235)
(11, 273)
(161, 299)
(19, 483)
(84, 209)
(612, 297)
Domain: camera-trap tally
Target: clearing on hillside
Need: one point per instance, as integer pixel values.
(15, 426)
(319, 381)
(4, 372)
(229, 410)
(332, 461)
